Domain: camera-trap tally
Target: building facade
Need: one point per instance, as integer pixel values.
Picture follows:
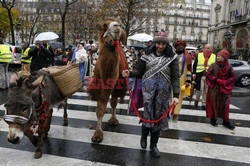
(188, 21)
(230, 26)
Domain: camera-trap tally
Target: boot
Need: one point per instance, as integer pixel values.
(153, 144)
(213, 122)
(175, 117)
(198, 94)
(196, 104)
(228, 125)
(144, 134)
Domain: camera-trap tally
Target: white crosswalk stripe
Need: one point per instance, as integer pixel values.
(222, 152)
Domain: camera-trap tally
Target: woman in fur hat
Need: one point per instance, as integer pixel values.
(159, 69)
(220, 79)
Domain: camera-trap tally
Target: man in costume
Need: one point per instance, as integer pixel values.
(159, 69)
(185, 69)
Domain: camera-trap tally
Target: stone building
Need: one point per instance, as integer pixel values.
(187, 21)
(230, 26)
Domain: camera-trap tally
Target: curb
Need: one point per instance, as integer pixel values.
(240, 92)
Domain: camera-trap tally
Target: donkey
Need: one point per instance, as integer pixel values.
(29, 108)
(107, 79)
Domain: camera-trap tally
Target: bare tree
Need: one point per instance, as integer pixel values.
(132, 13)
(35, 18)
(8, 5)
(63, 7)
(82, 14)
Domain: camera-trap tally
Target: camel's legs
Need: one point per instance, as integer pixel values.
(101, 108)
(113, 120)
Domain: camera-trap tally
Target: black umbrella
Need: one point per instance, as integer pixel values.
(138, 46)
(56, 45)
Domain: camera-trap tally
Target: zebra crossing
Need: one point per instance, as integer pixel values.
(190, 141)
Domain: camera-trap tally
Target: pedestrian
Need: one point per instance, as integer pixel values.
(80, 57)
(160, 76)
(185, 69)
(220, 79)
(149, 44)
(201, 64)
(5, 59)
(134, 57)
(91, 50)
(41, 57)
(25, 63)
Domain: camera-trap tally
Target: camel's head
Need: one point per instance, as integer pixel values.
(109, 31)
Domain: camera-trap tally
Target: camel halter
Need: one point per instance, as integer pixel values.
(108, 32)
(171, 107)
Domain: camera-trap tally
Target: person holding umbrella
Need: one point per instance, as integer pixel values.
(185, 68)
(41, 57)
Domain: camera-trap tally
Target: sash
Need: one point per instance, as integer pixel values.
(156, 65)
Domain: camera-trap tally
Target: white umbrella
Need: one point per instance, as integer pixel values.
(141, 37)
(46, 36)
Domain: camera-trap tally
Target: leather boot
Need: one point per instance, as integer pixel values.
(144, 134)
(213, 122)
(228, 125)
(198, 94)
(153, 144)
(175, 117)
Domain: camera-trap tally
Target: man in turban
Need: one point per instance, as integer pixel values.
(220, 79)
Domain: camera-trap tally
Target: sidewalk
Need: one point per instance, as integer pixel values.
(240, 92)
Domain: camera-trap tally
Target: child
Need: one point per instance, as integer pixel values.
(220, 79)
(81, 54)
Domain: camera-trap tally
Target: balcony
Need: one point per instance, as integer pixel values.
(240, 18)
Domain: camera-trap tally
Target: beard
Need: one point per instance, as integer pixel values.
(179, 52)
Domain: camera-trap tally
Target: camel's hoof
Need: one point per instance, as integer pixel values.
(113, 122)
(97, 137)
(65, 123)
(45, 135)
(38, 154)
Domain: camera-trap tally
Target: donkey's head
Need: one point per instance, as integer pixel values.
(19, 105)
(109, 31)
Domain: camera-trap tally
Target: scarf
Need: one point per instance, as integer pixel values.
(207, 56)
(224, 67)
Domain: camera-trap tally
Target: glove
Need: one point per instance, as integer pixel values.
(221, 82)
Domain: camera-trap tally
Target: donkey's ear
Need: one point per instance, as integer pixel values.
(13, 78)
(38, 81)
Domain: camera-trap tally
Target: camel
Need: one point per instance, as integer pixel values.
(107, 79)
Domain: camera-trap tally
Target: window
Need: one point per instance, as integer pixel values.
(232, 1)
(235, 63)
(247, 5)
(232, 16)
(184, 21)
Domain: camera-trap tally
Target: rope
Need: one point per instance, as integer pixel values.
(172, 106)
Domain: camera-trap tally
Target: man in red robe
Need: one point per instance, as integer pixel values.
(220, 79)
